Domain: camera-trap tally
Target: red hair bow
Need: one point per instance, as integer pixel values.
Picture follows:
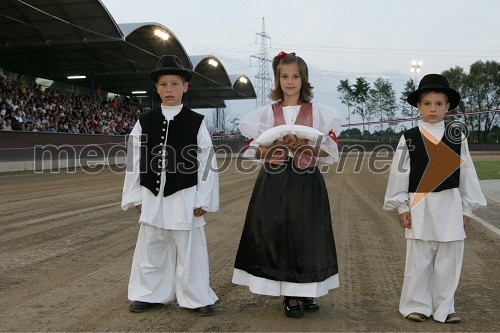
(283, 53)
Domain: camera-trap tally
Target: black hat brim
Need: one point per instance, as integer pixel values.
(453, 96)
(170, 71)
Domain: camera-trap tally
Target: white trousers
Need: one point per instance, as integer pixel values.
(170, 264)
(432, 273)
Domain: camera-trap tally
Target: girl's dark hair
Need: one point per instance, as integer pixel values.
(276, 93)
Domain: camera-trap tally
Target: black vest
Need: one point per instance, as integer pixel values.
(180, 164)
(419, 160)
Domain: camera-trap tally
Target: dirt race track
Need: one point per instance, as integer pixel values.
(66, 249)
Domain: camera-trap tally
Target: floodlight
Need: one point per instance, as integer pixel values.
(213, 62)
(161, 34)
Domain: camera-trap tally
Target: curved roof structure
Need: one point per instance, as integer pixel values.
(53, 39)
(242, 84)
(212, 82)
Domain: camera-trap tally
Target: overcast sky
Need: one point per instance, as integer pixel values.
(338, 39)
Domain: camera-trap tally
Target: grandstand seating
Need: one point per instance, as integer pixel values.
(24, 106)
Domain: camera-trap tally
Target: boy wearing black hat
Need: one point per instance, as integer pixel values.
(434, 187)
(171, 180)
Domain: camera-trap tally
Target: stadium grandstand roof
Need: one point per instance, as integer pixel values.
(54, 39)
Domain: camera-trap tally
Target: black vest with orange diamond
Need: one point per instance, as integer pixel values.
(444, 171)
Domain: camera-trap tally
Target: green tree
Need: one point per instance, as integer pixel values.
(355, 96)
(457, 77)
(480, 91)
(406, 109)
(382, 101)
(360, 97)
(346, 96)
(350, 133)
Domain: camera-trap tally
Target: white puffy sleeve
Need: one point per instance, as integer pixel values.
(254, 124)
(469, 187)
(396, 194)
(329, 121)
(207, 189)
(132, 189)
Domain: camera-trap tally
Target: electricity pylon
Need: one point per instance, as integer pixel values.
(263, 78)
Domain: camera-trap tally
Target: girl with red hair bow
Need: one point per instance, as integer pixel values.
(287, 246)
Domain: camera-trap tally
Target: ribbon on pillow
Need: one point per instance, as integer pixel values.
(332, 135)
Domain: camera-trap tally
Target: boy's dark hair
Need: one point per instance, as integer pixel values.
(434, 91)
(183, 78)
(276, 93)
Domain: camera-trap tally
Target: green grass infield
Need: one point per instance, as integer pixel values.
(487, 169)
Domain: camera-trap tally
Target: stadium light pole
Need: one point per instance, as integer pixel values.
(416, 67)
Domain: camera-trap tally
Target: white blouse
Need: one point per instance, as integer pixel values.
(174, 212)
(325, 119)
(439, 215)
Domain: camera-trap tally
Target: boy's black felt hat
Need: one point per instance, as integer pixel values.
(170, 64)
(435, 82)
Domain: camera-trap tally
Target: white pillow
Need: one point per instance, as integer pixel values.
(302, 132)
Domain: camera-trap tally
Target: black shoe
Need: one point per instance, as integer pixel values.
(138, 306)
(416, 316)
(294, 311)
(453, 318)
(309, 304)
(204, 311)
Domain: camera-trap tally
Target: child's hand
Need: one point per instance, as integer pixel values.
(278, 144)
(466, 221)
(405, 219)
(199, 212)
(293, 142)
(289, 139)
(139, 208)
(278, 149)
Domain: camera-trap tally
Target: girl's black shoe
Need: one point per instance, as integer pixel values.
(309, 304)
(295, 310)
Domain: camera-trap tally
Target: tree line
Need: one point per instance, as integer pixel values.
(479, 89)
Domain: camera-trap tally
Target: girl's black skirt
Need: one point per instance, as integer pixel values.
(288, 233)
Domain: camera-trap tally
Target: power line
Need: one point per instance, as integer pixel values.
(327, 49)
(402, 120)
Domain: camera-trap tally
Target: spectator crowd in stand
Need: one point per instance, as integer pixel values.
(26, 107)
